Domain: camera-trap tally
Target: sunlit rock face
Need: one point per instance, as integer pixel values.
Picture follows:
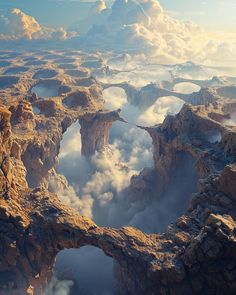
(165, 261)
(184, 200)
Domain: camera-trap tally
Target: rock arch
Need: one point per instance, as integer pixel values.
(146, 96)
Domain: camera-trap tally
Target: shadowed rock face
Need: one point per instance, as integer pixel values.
(16, 70)
(193, 133)
(196, 255)
(67, 66)
(45, 74)
(65, 60)
(93, 64)
(189, 131)
(78, 73)
(86, 82)
(35, 63)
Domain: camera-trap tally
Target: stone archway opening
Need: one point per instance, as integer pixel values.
(84, 271)
(115, 97)
(70, 153)
(157, 112)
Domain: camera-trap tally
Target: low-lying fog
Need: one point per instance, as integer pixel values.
(97, 187)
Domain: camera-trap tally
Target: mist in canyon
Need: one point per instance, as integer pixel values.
(98, 187)
(133, 42)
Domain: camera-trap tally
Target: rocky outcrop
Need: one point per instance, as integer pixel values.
(37, 136)
(227, 181)
(196, 255)
(95, 130)
(190, 131)
(84, 98)
(191, 134)
(179, 261)
(5, 146)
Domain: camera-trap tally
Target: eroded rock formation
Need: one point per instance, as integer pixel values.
(197, 131)
(95, 130)
(196, 255)
(147, 95)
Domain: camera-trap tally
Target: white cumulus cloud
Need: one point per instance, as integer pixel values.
(16, 25)
(144, 26)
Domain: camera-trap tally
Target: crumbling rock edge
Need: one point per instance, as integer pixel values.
(196, 255)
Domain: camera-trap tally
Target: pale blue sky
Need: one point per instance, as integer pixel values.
(212, 14)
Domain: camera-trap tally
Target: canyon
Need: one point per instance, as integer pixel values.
(196, 253)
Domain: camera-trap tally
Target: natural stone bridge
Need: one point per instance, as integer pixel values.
(33, 220)
(213, 82)
(146, 96)
(196, 254)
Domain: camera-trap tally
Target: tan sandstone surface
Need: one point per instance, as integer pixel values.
(196, 255)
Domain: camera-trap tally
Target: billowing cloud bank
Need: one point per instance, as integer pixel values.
(18, 25)
(142, 25)
(97, 188)
(134, 26)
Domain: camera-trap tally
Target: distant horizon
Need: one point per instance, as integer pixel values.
(117, 147)
(207, 13)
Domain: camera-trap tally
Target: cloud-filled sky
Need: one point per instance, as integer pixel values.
(212, 14)
(142, 26)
